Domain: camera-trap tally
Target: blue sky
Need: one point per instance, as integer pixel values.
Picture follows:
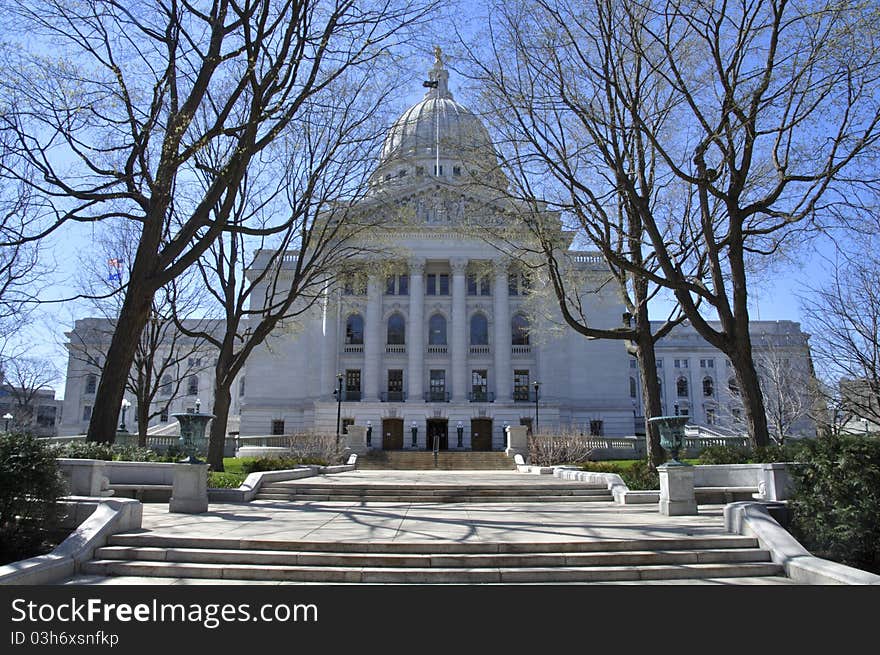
(774, 294)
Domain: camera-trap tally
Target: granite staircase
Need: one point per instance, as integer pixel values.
(446, 460)
(562, 492)
(687, 558)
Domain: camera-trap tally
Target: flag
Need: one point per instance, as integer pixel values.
(115, 264)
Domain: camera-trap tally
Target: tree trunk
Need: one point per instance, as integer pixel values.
(108, 400)
(143, 422)
(650, 394)
(750, 391)
(217, 439)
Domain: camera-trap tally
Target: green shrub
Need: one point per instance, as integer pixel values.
(30, 485)
(278, 463)
(638, 476)
(725, 455)
(836, 503)
(219, 480)
(114, 452)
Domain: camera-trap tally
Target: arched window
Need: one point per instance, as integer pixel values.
(354, 330)
(396, 330)
(437, 330)
(519, 330)
(681, 387)
(632, 387)
(192, 388)
(733, 386)
(708, 387)
(165, 388)
(479, 330)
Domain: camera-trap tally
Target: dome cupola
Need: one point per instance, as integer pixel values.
(436, 137)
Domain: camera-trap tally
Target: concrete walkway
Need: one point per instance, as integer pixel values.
(426, 522)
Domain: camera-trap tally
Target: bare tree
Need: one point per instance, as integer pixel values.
(792, 397)
(164, 357)
(546, 115)
(110, 126)
(23, 379)
(844, 319)
(756, 118)
(286, 276)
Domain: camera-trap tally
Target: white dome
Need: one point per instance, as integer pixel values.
(416, 133)
(437, 128)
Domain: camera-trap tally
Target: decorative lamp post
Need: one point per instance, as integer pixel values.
(369, 434)
(7, 417)
(537, 386)
(415, 434)
(338, 393)
(125, 405)
(459, 428)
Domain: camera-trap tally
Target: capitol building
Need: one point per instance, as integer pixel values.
(451, 335)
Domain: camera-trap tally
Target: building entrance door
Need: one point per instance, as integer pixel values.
(438, 428)
(481, 434)
(392, 434)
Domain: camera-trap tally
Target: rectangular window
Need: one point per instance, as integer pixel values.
(345, 423)
(456, 170)
(512, 285)
(596, 427)
(472, 285)
(431, 284)
(443, 284)
(91, 383)
(352, 384)
(395, 385)
(87, 412)
(437, 385)
(403, 285)
(633, 363)
(659, 363)
(479, 386)
(241, 388)
(192, 388)
(278, 427)
(521, 385)
(485, 289)
(163, 416)
(438, 172)
(389, 285)
(710, 417)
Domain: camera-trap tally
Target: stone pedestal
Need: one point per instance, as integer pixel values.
(356, 439)
(776, 483)
(517, 441)
(85, 477)
(189, 492)
(677, 490)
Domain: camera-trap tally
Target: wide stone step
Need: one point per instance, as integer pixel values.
(413, 498)
(439, 575)
(445, 490)
(137, 539)
(413, 560)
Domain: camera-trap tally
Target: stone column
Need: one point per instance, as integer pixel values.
(374, 339)
(459, 329)
(331, 341)
(501, 340)
(416, 334)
